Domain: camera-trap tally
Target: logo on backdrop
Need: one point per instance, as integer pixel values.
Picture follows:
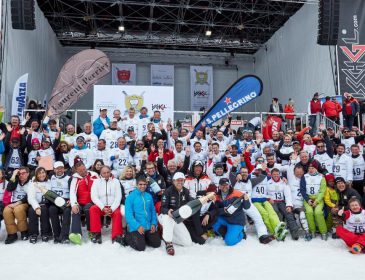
(226, 106)
(123, 76)
(133, 101)
(201, 77)
(200, 93)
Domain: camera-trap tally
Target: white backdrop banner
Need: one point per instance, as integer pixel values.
(123, 74)
(162, 75)
(123, 97)
(201, 80)
(20, 96)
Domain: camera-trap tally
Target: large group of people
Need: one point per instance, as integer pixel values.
(134, 172)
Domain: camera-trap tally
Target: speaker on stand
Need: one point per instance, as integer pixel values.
(328, 22)
(22, 14)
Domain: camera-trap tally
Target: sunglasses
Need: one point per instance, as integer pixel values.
(260, 160)
(320, 146)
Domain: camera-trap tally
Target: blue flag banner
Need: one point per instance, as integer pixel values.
(240, 93)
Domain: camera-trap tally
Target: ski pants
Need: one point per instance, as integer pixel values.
(280, 209)
(255, 216)
(349, 237)
(315, 216)
(194, 226)
(173, 232)
(76, 218)
(34, 222)
(18, 213)
(302, 219)
(268, 214)
(95, 221)
(139, 241)
(60, 230)
(234, 232)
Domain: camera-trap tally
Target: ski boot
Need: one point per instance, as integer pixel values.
(121, 240)
(96, 238)
(24, 235)
(11, 238)
(280, 231)
(324, 236)
(45, 238)
(308, 236)
(264, 239)
(170, 249)
(356, 248)
(33, 239)
(295, 234)
(75, 238)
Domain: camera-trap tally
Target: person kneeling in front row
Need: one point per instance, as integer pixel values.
(141, 218)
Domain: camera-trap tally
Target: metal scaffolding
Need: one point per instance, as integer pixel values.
(235, 26)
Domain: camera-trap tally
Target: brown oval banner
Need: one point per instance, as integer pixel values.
(77, 76)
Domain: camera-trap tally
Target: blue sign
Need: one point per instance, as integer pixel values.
(240, 93)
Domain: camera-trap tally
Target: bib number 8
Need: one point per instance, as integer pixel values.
(311, 190)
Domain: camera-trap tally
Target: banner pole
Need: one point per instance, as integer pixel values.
(338, 73)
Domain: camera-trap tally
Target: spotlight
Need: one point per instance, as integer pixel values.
(121, 28)
(208, 33)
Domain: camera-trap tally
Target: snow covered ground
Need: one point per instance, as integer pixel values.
(248, 260)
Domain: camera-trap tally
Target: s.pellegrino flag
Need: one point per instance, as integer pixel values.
(351, 48)
(77, 76)
(240, 93)
(20, 96)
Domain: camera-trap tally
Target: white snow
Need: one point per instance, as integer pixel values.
(249, 259)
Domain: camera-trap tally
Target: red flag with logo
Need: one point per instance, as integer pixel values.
(272, 123)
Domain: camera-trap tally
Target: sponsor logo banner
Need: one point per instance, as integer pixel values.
(20, 96)
(77, 76)
(123, 74)
(201, 86)
(162, 75)
(240, 93)
(351, 48)
(124, 97)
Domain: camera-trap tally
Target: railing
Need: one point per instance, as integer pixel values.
(301, 119)
(327, 122)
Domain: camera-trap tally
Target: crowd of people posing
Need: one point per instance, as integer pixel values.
(134, 172)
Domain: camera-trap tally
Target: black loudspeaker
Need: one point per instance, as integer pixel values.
(328, 22)
(22, 14)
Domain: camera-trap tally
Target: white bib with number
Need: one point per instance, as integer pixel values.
(358, 168)
(356, 222)
(129, 186)
(348, 142)
(60, 186)
(260, 190)
(313, 183)
(276, 190)
(325, 160)
(14, 161)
